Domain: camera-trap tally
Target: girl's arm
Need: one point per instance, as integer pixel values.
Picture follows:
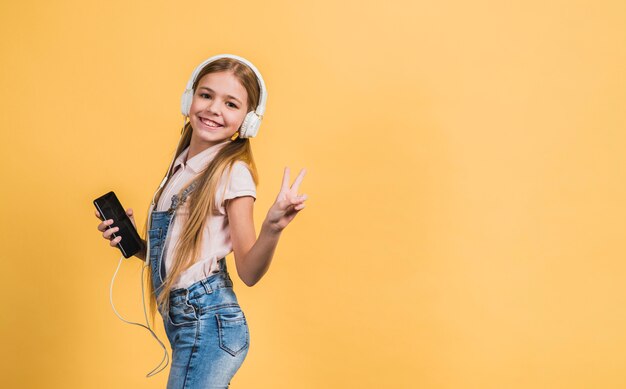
(253, 256)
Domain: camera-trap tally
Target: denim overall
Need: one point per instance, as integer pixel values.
(207, 329)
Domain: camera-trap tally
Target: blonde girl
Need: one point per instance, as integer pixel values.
(203, 211)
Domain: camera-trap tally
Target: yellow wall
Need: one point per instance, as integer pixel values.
(466, 175)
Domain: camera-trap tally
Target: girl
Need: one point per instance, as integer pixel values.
(204, 211)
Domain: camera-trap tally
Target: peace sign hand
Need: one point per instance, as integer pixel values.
(288, 203)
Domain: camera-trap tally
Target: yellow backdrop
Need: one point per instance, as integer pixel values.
(465, 225)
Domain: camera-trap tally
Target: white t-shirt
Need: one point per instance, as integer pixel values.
(216, 241)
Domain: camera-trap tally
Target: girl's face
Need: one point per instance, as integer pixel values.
(218, 108)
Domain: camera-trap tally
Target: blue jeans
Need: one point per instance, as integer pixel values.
(205, 325)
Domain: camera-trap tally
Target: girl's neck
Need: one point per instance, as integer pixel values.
(196, 148)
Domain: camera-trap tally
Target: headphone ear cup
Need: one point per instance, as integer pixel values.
(250, 125)
(185, 102)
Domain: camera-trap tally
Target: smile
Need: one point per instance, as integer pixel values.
(210, 123)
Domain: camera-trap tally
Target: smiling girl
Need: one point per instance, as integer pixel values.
(202, 212)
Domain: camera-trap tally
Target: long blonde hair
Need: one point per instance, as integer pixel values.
(202, 198)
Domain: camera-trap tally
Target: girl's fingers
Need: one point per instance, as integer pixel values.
(115, 241)
(103, 226)
(296, 183)
(129, 212)
(285, 179)
(299, 199)
(107, 234)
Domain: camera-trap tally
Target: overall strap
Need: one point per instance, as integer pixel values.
(176, 201)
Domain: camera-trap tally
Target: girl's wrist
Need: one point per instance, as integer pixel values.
(271, 228)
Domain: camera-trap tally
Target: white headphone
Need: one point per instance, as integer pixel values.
(252, 121)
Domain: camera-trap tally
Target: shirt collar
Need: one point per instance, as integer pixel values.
(200, 160)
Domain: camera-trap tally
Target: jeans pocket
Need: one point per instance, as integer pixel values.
(233, 330)
(182, 314)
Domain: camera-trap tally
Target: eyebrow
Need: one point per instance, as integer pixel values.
(229, 96)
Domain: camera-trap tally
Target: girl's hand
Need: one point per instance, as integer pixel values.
(288, 203)
(107, 232)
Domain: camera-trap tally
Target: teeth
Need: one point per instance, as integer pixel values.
(210, 123)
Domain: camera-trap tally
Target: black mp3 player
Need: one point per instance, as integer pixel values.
(110, 207)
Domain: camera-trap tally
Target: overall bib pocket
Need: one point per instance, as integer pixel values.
(155, 241)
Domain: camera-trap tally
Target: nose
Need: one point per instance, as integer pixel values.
(213, 106)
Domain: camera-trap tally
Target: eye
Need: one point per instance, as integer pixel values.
(232, 105)
(204, 94)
